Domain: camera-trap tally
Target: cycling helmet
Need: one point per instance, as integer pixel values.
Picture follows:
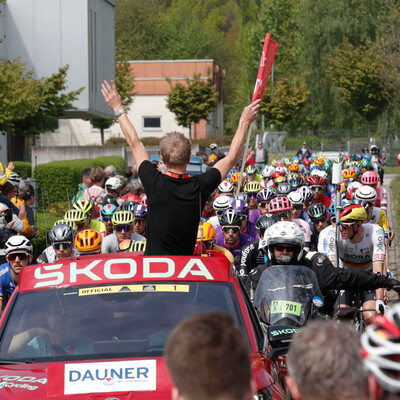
(143, 200)
(279, 171)
(252, 187)
(17, 243)
(283, 188)
(364, 150)
(279, 163)
(273, 162)
(235, 177)
(349, 173)
(128, 206)
(88, 241)
(280, 179)
(213, 146)
(296, 197)
(296, 182)
(242, 196)
(72, 224)
(264, 222)
(367, 157)
(230, 217)
(268, 171)
(366, 193)
(381, 351)
(306, 193)
(365, 163)
(113, 184)
(78, 216)
(317, 210)
(315, 168)
(286, 232)
(307, 162)
(251, 169)
(14, 179)
(279, 204)
(139, 245)
(140, 211)
(240, 206)
(222, 203)
(225, 187)
(230, 173)
(292, 175)
(108, 210)
(369, 178)
(266, 194)
(351, 193)
(332, 210)
(132, 245)
(352, 214)
(61, 233)
(315, 180)
(206, 232)
(286, 161)
(122, 218)
(319, 161)
(374, 147)
(85, 206)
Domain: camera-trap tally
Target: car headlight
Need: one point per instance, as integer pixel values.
(264, 394)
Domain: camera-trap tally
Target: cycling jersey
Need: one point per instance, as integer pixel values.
(304, 216)
(250, 257)
(379, 217)
(249, 230)
(49, 255)
(382, 198)
(322, 239)
(7, 284)
(361, 255)
(99, 226)
(306, 230)
(243, 240)
(110, 242)
(330, 191)
(254, 215)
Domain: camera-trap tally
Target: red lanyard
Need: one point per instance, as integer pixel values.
(177, 176)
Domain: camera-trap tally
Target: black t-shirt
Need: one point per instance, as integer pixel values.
(174, 208)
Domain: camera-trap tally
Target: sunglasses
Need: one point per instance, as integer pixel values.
(106, 219)
(289, 249)
(298, 207)
(252, 195)
(21, 256)
(227, 229)
(319, 220)
(65, 245)
(263, 205)
(139, 221)
(284, 215)
(314, 188)
(120, 228)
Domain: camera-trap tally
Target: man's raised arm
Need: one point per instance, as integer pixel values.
(249, 114)
(114, 101)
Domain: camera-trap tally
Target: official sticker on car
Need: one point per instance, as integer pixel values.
(132, 288)
(285, 307)
(120, 376)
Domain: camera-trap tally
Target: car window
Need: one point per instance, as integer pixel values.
(106, 321)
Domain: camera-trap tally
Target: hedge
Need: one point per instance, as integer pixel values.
(58, 180)
(23, 169)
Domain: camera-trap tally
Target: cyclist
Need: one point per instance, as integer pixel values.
(263, 197)
(361, 247)
(381, 355)
(371, 178)
(18, 251)
(128, 245)
(123, 229)
(252, 255)
(106, 213)
(221, 204)
(208, 210)
(61, 239)
(231, 238)
(282, 207)
(252, 174)
(285, 245)
(114, 186)
(225, 188)
(317, 186)
(248, 228)
(96, 192)
(139, 225)
(72, 224)
(78, 217)
(88, 242)
(319, 218)
(298, 202)
(251, 189)
(87, 207)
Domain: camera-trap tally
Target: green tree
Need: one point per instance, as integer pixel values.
(193, 102)
(356, 72)
(124, 81)
(19, 93)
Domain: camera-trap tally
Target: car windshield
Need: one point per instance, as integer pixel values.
(107, 321)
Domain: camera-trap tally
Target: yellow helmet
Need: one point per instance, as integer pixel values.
(72, 224)
(206, 232)
(352, 214)
(78, 216)
(85, 206)
(88, 241)
(132, 245)
(235, 177)
(122, 218)
(252, 187)
(349, 173)
(279, 179)
(293, 167)
(319, 161)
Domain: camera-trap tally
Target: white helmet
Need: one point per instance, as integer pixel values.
(288, 233)
(322, 174)
(17, 243)
(268, 171)
(225, 187)
(222, 203)
(366, 193)
(353, 185)
(213, 146)
(381, 349)
(14, 179)
(296, 197)
(113, 184)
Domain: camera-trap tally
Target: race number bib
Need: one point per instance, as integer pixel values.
(285, 307)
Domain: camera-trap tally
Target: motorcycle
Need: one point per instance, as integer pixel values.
(287, 296)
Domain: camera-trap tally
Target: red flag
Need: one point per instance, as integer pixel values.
(267, 59)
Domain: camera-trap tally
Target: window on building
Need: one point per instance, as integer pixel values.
(152, 123)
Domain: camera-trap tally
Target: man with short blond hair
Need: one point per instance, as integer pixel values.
(175, 200)
(207, 357)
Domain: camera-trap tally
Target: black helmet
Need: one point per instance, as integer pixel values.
(296, 182)
(283, 188)
(231, 217)
(364, 150)
(265, 221)
(61, 233)
(317, 210)
(128, 206)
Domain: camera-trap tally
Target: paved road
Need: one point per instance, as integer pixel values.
(393, 249)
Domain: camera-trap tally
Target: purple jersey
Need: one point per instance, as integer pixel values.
(243, 240)
(254, 215)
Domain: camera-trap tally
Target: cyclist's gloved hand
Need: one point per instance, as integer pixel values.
(380, 306)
